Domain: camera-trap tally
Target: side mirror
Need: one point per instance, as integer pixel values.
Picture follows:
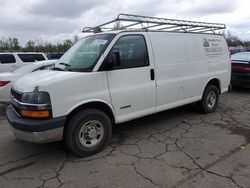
(112, 60)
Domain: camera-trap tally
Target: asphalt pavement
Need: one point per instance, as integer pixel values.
(175, 148)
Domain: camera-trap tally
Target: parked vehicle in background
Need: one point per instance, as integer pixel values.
(8, 78)
(234, 50)
(54, 55)
(10, 61)
(241, 69)
(117, 76)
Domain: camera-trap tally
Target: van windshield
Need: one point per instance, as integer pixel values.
(83, 56)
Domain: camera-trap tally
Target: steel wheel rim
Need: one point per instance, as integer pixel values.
(211, 99)
(91, 133)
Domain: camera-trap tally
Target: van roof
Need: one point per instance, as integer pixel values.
(129, 22)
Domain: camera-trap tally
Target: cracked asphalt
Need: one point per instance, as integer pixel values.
(175, 148)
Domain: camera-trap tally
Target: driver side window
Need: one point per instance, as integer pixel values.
(132, 51)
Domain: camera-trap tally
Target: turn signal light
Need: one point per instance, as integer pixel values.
(35, 114)
(4, 83)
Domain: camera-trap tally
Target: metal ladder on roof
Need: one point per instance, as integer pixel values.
(132, 22)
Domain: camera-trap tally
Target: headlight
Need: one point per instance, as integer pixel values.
(33, 105)
(36, 98)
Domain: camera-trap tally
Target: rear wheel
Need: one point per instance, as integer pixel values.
(210, 99)
(87, 132)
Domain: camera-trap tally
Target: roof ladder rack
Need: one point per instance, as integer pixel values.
(147, 23)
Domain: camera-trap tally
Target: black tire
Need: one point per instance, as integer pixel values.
(77, 142)
(205, 105)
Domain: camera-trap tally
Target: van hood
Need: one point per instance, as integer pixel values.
(41, 79)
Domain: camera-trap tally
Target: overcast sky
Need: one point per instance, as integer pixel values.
(57, 20)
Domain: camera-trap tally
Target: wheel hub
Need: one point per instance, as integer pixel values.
(90, 133)
(211, 99)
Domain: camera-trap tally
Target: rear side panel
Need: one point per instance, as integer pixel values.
(184, 64)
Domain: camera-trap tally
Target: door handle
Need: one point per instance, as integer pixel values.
(152, 74)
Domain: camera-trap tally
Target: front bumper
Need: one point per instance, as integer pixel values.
(39, 137)
(37, 131)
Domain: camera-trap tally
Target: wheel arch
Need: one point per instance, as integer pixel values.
(213, 81)
(96, 104)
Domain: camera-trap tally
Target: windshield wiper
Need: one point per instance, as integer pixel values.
(58, 69)
(67, 65)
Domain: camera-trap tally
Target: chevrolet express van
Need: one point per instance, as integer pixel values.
(116, 76)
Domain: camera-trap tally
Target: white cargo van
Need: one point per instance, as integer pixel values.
(120, 75)
(11, 61)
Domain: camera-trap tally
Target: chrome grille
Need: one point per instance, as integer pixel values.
(16, 95)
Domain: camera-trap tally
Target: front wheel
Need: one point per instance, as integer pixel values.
(87, 132)
(210, 99)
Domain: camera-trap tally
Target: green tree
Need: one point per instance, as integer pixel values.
(30, 46)
(232, 40)
(16, 45)
(48, 47)
(66, 45)
(4, 44)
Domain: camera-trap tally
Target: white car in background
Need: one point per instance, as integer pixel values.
(11, 61)
(8, 78)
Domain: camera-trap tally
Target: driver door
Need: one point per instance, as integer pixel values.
(131, 83)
